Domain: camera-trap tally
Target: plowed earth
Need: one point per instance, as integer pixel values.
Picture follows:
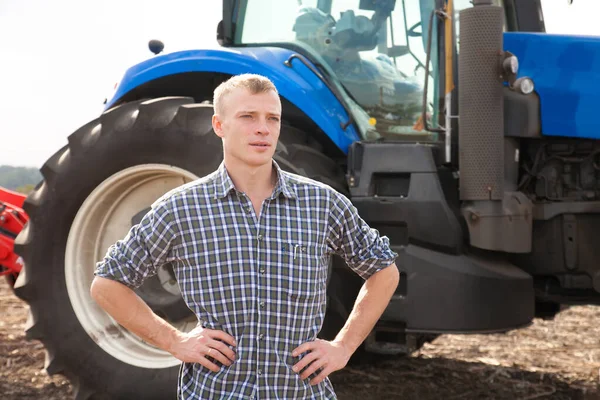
(557, 359)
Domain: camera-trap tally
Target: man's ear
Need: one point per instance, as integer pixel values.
(217, 125)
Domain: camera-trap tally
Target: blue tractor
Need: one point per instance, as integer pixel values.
(461, 130)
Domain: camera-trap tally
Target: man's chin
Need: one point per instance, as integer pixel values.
(255, 162)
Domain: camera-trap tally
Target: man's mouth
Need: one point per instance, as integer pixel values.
(260, 144)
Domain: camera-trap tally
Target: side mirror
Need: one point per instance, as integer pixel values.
(156, 46)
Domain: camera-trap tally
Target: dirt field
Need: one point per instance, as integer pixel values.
(557, 359)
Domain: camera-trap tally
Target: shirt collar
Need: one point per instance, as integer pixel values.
(223, 184)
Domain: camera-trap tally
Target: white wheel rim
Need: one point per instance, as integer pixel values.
(105, 217)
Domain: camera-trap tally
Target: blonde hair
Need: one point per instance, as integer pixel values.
(254, 83)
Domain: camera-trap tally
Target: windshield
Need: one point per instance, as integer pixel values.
(376, 49)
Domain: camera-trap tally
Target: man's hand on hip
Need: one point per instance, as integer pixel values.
(200, 343)
(370, 304)
(326, 356)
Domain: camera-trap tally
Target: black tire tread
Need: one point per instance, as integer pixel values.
(32, 328)
(52, 166)
(194, 117)
(35, 198)
(158, 113)
(322, 168)
(52, 365)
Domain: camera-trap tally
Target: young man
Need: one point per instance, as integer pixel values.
(250, 247)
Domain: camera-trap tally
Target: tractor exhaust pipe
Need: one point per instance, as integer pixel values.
(498, 218)
(481, 103)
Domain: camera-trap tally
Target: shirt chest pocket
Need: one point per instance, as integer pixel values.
(303, 270)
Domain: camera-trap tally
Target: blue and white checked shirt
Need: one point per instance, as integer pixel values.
(261, 279)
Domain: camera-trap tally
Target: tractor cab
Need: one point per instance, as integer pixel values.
(376, 51)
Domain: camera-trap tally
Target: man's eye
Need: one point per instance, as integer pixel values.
(246, 116)
(274, 119)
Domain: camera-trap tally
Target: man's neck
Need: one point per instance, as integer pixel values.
(255, 181)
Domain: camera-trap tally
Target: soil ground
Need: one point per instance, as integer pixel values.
(557, 359)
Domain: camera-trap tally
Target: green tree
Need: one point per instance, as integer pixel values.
(17, 177)
(25, 189)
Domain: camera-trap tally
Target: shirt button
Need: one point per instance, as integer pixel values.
(260, 237)
(261, 336)
(261, 304)
(261, 270)
(259, 372)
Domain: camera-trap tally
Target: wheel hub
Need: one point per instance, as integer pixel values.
(105, 217)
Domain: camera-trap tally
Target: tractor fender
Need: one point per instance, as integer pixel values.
(297, 83)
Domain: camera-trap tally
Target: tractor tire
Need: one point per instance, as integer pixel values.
(93, 190)
(10, 279)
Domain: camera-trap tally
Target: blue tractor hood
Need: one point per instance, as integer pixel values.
(294, 81)
(566, 74)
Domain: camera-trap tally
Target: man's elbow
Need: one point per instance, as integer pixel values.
(388, 277)
(95, 288)
(393, 275)
(100, 288)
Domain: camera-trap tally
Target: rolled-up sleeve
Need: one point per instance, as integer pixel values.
(146, 247)
(349, 236)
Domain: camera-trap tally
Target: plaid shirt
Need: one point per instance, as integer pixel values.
(261, 279)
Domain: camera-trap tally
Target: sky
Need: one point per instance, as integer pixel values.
(61, 58)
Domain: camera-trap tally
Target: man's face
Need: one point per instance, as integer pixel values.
(249, 125)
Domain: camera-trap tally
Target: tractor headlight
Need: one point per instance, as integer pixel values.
(511, 65)
(524, 85)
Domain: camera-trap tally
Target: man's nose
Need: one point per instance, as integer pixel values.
(263, 127)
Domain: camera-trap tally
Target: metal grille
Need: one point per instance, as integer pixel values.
(481, 104)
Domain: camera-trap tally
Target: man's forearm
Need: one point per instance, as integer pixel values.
(372, 300)
(132, 312)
